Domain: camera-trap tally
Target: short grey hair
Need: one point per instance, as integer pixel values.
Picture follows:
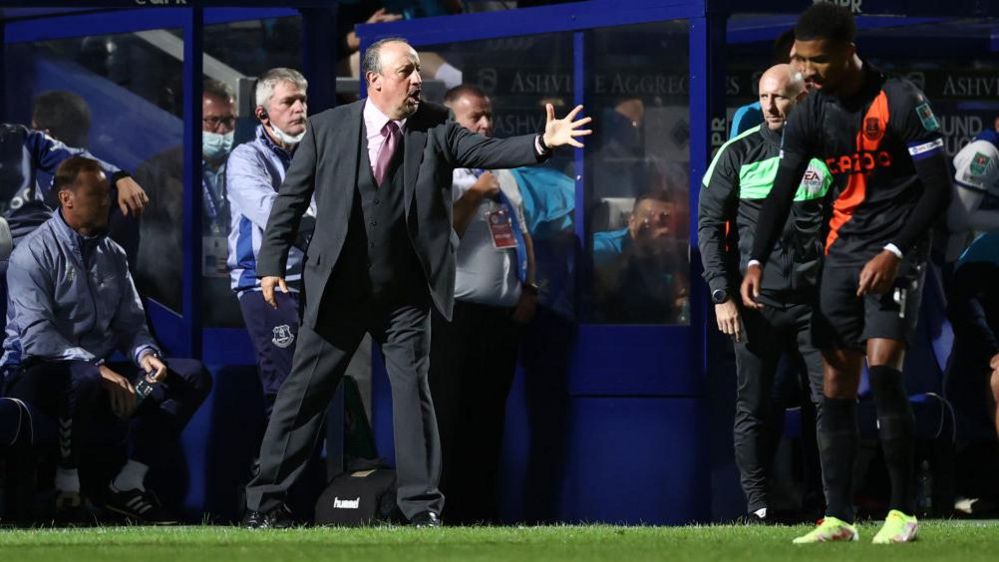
(270, 79)
(218, 89)
(372, 56)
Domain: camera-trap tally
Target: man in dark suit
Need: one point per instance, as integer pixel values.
(382, 254)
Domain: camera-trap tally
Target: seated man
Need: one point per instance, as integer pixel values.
(641, 270)
(73, 305)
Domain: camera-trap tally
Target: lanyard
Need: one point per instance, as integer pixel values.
(518, 234)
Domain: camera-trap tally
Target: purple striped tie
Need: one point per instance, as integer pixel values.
(392, 137)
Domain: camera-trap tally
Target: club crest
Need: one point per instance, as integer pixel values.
(283, 336)
(872, 129)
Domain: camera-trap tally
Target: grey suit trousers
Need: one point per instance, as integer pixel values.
(402, 327)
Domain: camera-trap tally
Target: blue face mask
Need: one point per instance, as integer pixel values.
(215, 147)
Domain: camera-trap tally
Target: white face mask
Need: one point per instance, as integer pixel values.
(286, 139)
(215, 146)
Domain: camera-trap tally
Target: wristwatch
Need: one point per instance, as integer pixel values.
(531, 288)
(718, 296)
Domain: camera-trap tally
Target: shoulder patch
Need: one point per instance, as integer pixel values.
(927, 118)
(979, 165)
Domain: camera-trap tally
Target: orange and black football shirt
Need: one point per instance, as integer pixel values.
(870, 142)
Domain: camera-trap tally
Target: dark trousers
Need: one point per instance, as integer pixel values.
(472, 364)
(402, 327)
(274, 333)
(72, 392)
(770, 333)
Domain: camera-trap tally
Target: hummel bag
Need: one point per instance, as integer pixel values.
(357, 498)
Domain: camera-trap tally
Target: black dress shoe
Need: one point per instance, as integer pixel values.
(276, 518)
(426, 519)
(751, 519)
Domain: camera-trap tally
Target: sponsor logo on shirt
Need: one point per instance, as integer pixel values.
(859, 162)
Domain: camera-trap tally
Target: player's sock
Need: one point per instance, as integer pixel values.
(896, 427)
(67, 480)
(837, 437)
(131, 477)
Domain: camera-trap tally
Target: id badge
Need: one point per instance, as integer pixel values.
(214, 252)
(501, 229)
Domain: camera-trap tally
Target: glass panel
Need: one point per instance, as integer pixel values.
(519, 75)
(254, 46)
(637, 170)
(119, 96)
(235, 53)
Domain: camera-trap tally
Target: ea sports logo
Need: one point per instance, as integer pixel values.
(812, 181)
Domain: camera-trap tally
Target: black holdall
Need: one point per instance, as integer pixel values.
(364, 493)
(357, 498)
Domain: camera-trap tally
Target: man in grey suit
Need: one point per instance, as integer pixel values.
(382, 254)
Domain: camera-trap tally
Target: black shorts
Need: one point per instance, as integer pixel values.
(845, 321)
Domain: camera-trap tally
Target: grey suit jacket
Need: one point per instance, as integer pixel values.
(325, 164)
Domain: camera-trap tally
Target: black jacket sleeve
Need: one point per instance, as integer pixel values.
(920, 131)
(717, 205)
(470, 150)
(777, 206)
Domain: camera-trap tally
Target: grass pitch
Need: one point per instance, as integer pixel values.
(939, 540)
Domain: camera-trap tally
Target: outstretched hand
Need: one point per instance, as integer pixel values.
(560, 132)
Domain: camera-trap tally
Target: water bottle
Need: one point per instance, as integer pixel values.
(683, 317)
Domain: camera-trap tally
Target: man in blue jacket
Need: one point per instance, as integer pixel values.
(256, 170)
(73, 305)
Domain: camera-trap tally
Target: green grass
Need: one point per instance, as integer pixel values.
(954, 541)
